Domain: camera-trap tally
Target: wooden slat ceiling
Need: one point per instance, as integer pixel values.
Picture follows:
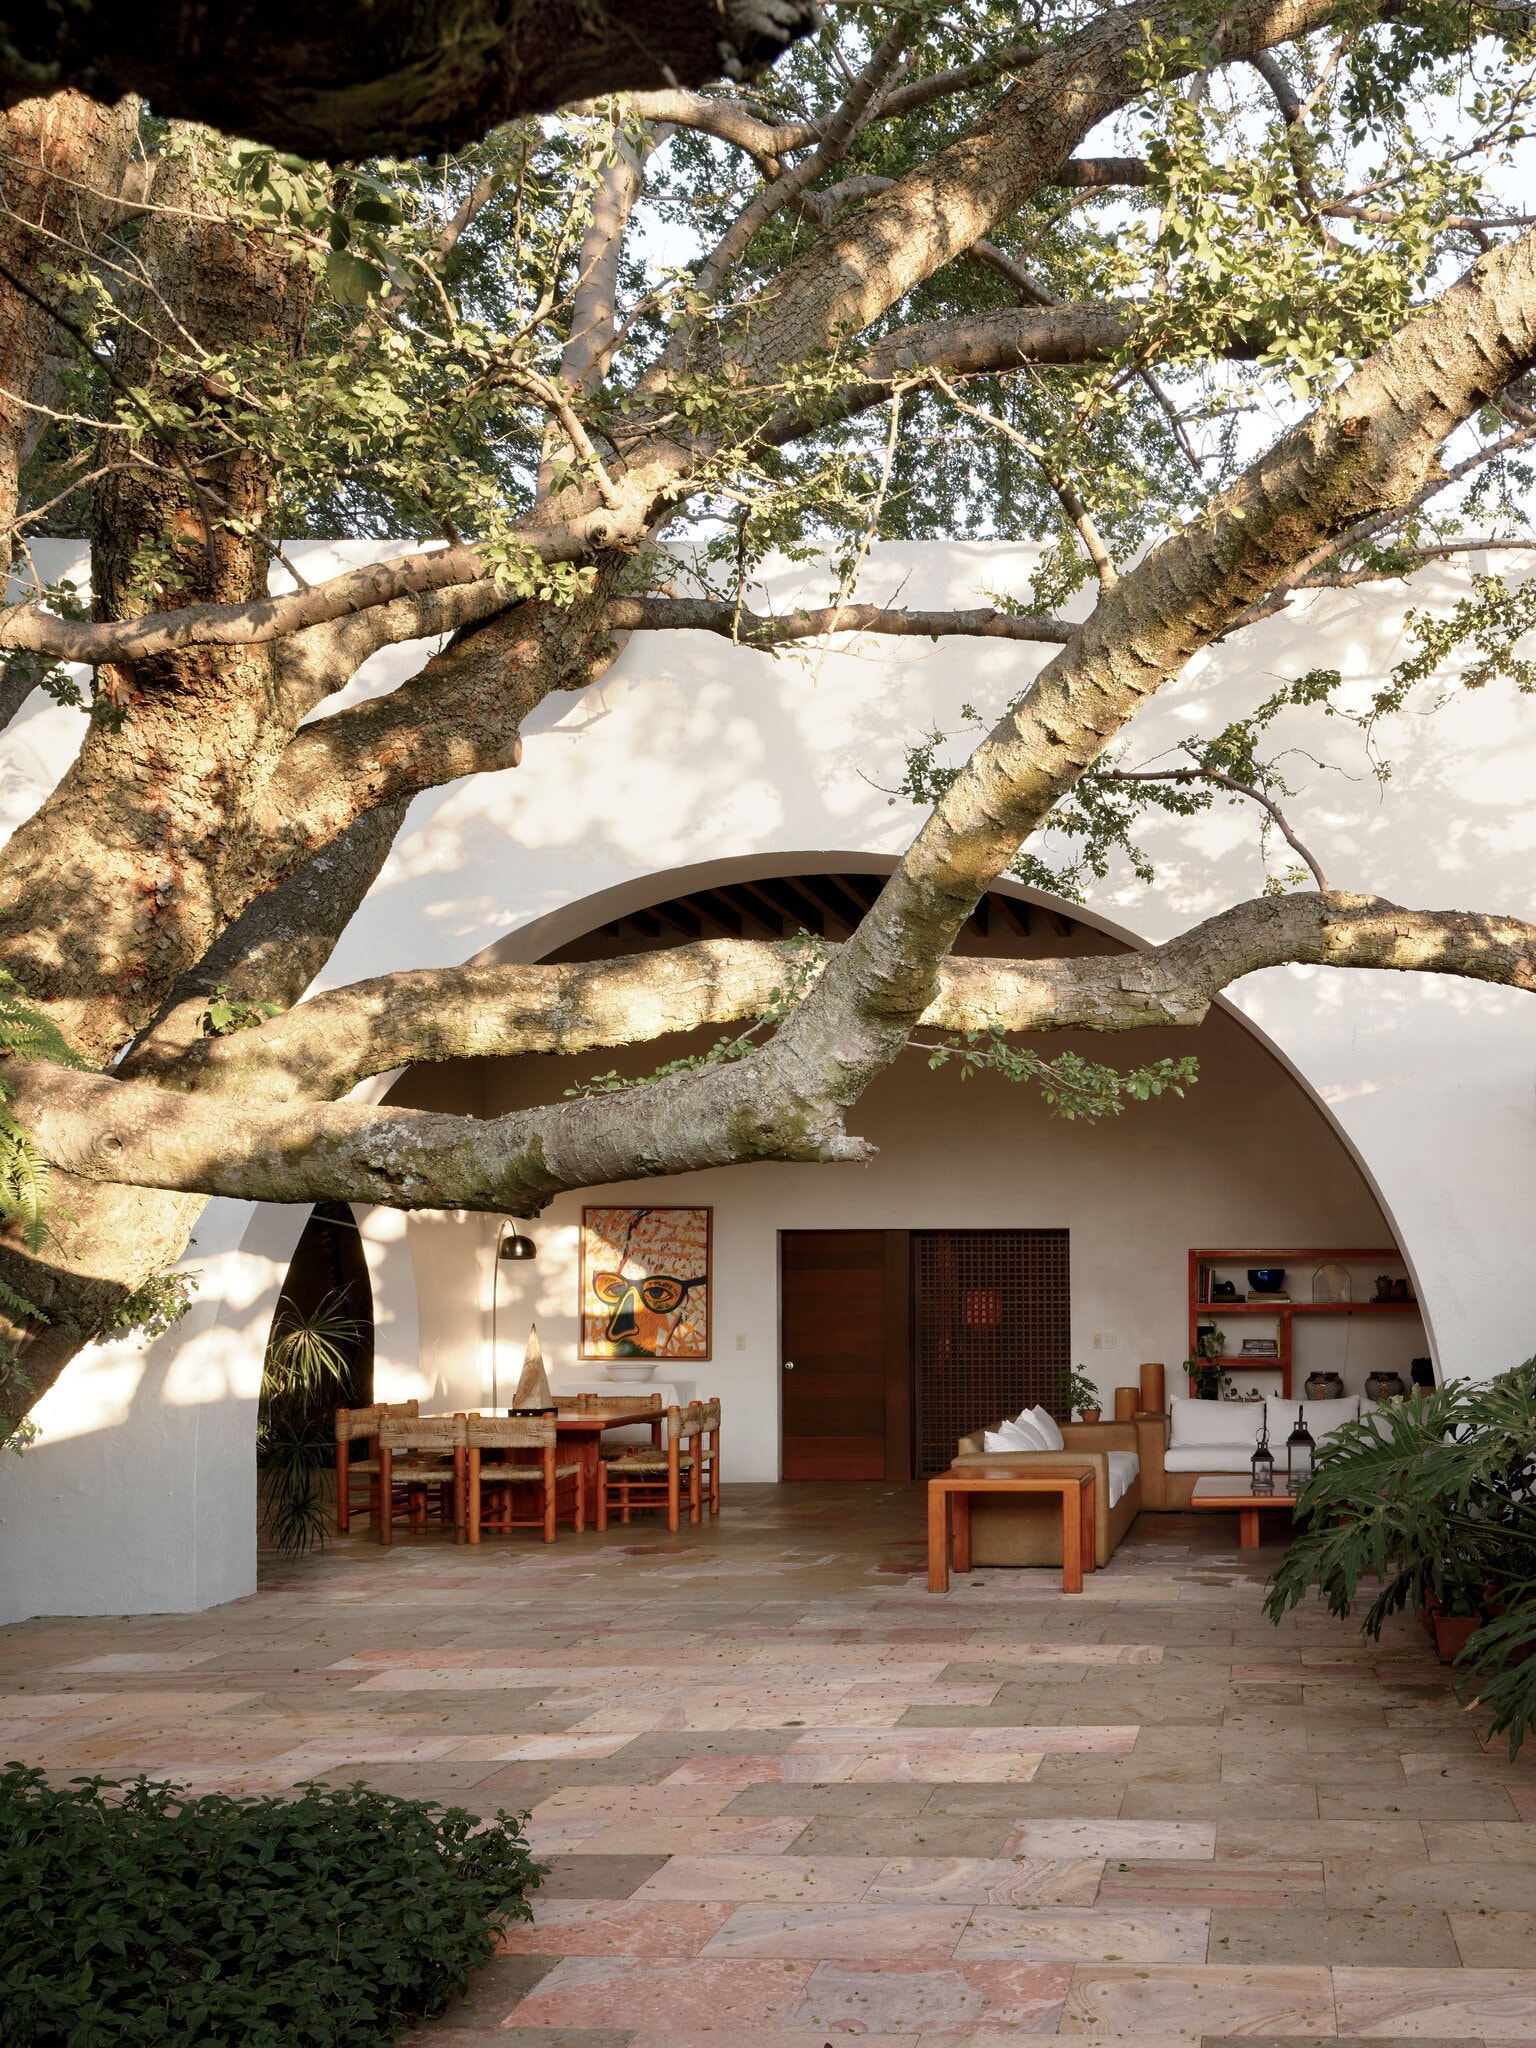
(778, 907)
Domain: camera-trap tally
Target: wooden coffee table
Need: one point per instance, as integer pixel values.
(949, 1520)
(1231, 1490)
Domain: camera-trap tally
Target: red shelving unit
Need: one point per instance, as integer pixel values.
(1203, 1259)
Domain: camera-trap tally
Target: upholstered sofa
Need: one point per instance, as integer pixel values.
(1025, 1529)
(1197, 1438)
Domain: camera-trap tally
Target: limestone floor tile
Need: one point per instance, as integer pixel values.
(658, 1931)
(632, 1802)
(1524, 1797)
(1150, 1801)
(1214, 1999)
(828, 1798)
(990, 1881)
(1494, 1940)
(1493, 2004)
(600, 1877)
(1029, 1802)
(873, 1998)
(943, 1767)
(917, 1835)
(1390, 1933)
(1461, 1803)
(1118, 1839)
(867, 1930)
(836, 1880)
(691, 1834)
(1087, 1934)
(1491, 1884)
(1210, 1884)
(1271, 1836)
(1471, 1841)
(616, 1991)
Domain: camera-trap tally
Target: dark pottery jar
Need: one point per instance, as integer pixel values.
(1386, 1386)
(1324, 1386)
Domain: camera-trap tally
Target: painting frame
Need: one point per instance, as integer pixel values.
(619, 1242)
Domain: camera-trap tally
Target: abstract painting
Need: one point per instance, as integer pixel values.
(645, 1277)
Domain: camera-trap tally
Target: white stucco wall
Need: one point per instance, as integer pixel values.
(689, 752)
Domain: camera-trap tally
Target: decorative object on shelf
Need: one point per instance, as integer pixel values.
(1266, 1279)
(1383, 1286)
(1091, 1414)
(645, 1283)
(1223, 1290)
(1422, 1372)
(1206, 1374)
(1300, 1449)
(1261, 1347)
(1263, 1462)
(533, 1386)
(1153, 1389)
(1331, 1282)
(1324, 1386)
(1386, 1386)
(631, 1372)
(1125, 1403)
(1400, 1291)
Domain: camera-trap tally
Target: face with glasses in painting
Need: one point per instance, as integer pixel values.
(641, 1311)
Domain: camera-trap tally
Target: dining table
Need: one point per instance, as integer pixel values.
(578, 1441)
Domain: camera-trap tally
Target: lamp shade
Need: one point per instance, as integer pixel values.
(518, 1247)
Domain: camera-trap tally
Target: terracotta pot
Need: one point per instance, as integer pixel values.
(1091, 1414)
(1451, 1633)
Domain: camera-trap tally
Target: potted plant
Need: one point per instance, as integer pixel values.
(1207, 1375)
(1080, 1396)
(1437, 1499)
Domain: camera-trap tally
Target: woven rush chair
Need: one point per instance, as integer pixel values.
(505, 1481)
(421, 1467)
(709, 1457)
(357, 1479)
(654, 1478)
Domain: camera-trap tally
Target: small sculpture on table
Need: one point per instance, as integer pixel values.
(533, 1395)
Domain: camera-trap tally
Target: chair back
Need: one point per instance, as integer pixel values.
(510, 1432)
(356, 1422)
(440, 1435)
(684, 1423)
(711, 1417)
(610, 1404)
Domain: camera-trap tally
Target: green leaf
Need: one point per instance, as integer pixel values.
(352, 281)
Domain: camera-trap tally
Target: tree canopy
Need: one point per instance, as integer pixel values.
(1221, 304)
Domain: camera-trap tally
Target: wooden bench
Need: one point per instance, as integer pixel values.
(949, 1520)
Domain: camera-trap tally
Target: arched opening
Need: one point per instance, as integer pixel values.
(1249, 1158)
(319, 1357)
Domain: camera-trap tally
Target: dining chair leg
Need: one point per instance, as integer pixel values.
(343, 1491)
(581, 1504)
(549, 1493)
(696, 1484)
(602, 1496)
(714, 1471)
(472, 1482)
(673, 1486)
(386, 1495)
(623, 1500)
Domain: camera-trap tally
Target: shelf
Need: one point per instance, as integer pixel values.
(1305, 1308)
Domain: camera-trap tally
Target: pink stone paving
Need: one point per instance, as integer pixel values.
(789, 1798)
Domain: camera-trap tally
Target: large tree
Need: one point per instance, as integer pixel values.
(600, 367)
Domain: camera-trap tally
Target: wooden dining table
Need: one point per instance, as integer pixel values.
(578, 1441)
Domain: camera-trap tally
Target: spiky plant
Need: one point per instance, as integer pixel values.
(306, 1353)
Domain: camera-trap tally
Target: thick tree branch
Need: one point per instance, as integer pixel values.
(253, 1141)
(759, 629)
(355, 78)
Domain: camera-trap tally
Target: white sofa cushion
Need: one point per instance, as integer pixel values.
(1214, 1458)
(1123, 1468)
(1323, 1418)
(1013, 1436)
(1045, 1422)
(1197, 1423)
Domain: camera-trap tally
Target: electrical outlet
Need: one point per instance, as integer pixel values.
(741, 1343)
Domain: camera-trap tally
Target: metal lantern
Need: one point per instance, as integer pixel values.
(1263, 1462)
(1299, 1447)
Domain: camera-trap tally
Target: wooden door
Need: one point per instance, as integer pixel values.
(845, 1370)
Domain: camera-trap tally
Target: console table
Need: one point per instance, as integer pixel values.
(949, 1520)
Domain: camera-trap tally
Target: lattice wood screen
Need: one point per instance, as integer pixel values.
(990, 1331)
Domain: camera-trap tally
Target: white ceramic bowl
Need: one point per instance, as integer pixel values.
(631, 1371)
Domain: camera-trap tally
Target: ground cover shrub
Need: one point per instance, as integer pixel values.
(1435, 1498)
(139, 1913)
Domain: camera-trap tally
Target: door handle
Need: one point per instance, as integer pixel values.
(789, 1365)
